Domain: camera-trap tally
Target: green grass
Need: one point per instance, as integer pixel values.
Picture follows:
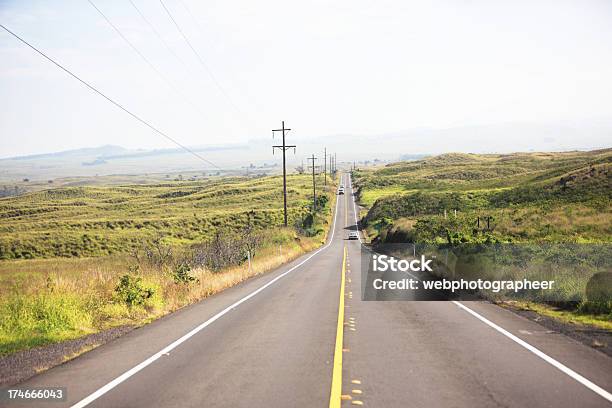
(600, 321)
(32, 321)
(545, 198)
(537, 196)
(66, 250)
(369, 197)
(100, 220)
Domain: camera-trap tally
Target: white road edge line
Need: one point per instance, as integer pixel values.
(568, 371)
(106, 388)
(590, 385)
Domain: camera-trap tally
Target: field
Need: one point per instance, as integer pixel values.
(558, 197)
(88, 221)
(561, 201)
(77, 260)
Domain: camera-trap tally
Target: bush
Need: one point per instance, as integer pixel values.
(224, 250)
(599, 288)
(307, 225)
(590, 307)
(182, 274)
(131, 291)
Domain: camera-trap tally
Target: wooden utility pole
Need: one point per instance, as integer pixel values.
(325, 166)
(314, 184)
(284, 148)
(335, 162)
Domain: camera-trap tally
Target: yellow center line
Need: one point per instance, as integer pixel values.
(335, 398)
(336, 388)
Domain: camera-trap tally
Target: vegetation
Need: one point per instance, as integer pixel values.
(525, 197)
(83, 259)
(99, 221)
(520, 199)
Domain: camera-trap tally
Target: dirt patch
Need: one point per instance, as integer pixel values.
(594, 337)
(22, 365)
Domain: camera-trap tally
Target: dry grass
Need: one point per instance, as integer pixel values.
(46, 301)
(62, 299)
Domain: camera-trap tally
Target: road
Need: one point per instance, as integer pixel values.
(275, 341)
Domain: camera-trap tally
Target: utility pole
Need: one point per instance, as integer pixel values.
(284, 148)
(314, 184)
(335, 162)
(325, 166)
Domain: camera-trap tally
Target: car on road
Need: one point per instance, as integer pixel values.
(340, 190)
(353, 235)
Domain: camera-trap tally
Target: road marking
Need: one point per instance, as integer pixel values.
(358, 392)
(355, 402)
(336, 386)
(593, 387)
(106, 388)
(356, 382)
(566, 370)
(354, 209)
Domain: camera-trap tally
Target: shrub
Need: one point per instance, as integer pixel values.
(182, 274)
(590, 307)
(131, 290)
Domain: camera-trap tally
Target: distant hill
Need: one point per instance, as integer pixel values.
(101, 151)
(407, 145)
(110, 159)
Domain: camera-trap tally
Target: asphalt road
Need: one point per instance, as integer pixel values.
(272, 341)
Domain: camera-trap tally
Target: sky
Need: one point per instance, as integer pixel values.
(326, 68)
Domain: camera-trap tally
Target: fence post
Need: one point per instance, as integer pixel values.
(249, 256)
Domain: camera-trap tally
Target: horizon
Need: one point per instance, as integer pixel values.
(130, 151)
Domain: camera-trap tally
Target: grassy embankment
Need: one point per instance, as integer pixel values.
(521, 198)
(69, 266)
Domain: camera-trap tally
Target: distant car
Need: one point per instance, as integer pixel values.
(341, 191)
(353, 235)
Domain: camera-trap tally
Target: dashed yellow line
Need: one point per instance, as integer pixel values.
(336, 388)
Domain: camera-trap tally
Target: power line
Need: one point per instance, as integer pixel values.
(213, 44)
(146, 60)
(201, 61)
(159, 36)
(109, 99)
(165, 43)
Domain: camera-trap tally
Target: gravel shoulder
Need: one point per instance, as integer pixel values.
(22, 365)
(594, 337)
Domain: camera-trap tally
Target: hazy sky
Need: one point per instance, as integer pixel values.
(341, 67)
